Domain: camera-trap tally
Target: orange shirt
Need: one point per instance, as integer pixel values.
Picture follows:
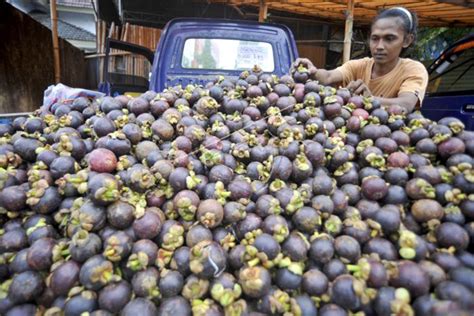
(407, 76)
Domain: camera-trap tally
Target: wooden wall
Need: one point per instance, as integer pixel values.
(124, 62)
(317, 54)
(26, 62)
(144, 36)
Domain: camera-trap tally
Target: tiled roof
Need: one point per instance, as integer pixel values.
(75, 3)
(65, 30)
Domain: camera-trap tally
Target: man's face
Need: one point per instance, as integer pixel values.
(387, 39)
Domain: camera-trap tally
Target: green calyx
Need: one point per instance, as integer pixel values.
(249, 237)
(113, 251)
(65, 120)
(361, 270)
(311, 129)
(263, 172)
(401, 304)
(192, 180)
(210, 157)
(165, 189)
(182, 108)
(456, 127)
(330, 99)
(469, 175)
(426, 188)
(144, 178)
(395, 117)
(333, 224)
(195, 289)
(241, 168)
(137, 200)
(163, 258)
(121, 121)
(302, 162)
(296, 203)
(41, 223)
(237, 308)
(173, 238)
(439, 138)
(36, 192)
(451, 208)
(226, 296)
(280, 233)
(446, 176)
(241, 152)
(455, 196)
(186, 209)
(309, 101)
(376, 161)
(147, 132)
(460, 168)
(280, 302)
(302, 68)
(201, 307)
(108, 193)
(10, 159)
(228, 242)
(221, 193)
(277, 185)
(363, 145)
(375, 228)
(138, 261)
(251, 139)
(123, 163)
(4, 288)
(104, 274)
(343, 169)
(80, 238)
(367, 101)
(61, 251)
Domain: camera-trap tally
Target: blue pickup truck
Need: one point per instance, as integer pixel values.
(450, 89)
(196, 51)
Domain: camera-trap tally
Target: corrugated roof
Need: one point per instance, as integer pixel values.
(65, 29)
(75, 3)
(430, 12)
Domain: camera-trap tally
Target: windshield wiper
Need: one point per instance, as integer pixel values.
(451, 69)
(461, 75)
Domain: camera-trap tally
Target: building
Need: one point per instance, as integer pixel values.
(76, 19)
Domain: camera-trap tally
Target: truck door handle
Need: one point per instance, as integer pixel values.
(469, 108)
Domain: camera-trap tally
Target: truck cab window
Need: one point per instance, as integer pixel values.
(226, 54)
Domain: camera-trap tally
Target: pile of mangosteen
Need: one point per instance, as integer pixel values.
(251, 196)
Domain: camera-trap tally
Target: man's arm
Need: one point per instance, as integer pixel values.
(406, 100)
(328, 77)
(325, 77)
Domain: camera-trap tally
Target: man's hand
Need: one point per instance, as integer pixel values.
(306, 63)
(358, 87)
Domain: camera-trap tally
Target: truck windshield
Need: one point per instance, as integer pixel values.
(226, 54)
(456, 76)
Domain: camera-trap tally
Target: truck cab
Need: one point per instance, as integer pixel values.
(450, 89)
(197, 50)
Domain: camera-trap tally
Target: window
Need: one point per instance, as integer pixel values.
(227, 54)
(456, 74)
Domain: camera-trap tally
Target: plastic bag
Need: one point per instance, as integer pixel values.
(61, 93)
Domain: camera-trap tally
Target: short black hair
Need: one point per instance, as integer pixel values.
(408, 18)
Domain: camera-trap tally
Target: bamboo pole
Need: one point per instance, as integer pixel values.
(125, 34)
(262, 12)
(54, 28)
(346, 55)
